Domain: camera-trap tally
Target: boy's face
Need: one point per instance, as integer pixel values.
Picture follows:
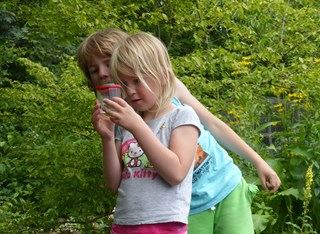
(99, 70)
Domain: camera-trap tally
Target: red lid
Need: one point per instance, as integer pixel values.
(108, 86)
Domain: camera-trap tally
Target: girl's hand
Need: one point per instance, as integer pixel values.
(102, 123)
(122, 114)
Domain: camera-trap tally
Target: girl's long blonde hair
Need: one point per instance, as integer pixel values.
(145, 57)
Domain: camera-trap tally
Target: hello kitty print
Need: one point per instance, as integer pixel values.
(136, 162)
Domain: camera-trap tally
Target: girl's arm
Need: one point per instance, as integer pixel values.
(112, 164)
(229, 139)
(172, 163)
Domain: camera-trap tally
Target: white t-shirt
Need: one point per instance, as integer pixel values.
(143, 196)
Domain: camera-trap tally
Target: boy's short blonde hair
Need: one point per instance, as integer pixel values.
(99, 43)
(145, 57)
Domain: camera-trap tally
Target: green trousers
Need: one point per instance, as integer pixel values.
(231, 216)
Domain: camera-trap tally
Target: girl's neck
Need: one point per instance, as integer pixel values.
(150, 115)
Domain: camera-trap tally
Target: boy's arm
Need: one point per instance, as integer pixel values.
(229, 139)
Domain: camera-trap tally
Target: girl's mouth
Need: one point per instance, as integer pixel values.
(135, 100)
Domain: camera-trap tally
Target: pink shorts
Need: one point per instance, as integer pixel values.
(158, 228)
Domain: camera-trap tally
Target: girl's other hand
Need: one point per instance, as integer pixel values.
(102, 123)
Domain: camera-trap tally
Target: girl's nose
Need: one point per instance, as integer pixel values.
(129, 91)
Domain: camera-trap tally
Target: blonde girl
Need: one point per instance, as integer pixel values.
(150, 160)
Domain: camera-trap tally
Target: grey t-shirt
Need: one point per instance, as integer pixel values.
(143, 196)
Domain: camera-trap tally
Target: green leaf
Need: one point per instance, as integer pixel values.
(301, 151)
(290, 192)
(261, 222)
(265, 125)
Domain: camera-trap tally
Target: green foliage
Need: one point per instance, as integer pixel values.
(50, 156)
(254, 64)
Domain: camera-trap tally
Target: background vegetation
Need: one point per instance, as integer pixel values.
(253, 63)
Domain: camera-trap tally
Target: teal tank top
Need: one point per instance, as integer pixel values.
(215, 175)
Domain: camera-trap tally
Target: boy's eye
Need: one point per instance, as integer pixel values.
(93, 70)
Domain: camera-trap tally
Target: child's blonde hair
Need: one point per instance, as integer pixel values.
(99, 43)
(145, 56)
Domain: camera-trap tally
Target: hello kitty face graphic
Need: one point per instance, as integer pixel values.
(134, 153)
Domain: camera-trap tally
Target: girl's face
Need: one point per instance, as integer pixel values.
(99, 70)
(140, 97)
